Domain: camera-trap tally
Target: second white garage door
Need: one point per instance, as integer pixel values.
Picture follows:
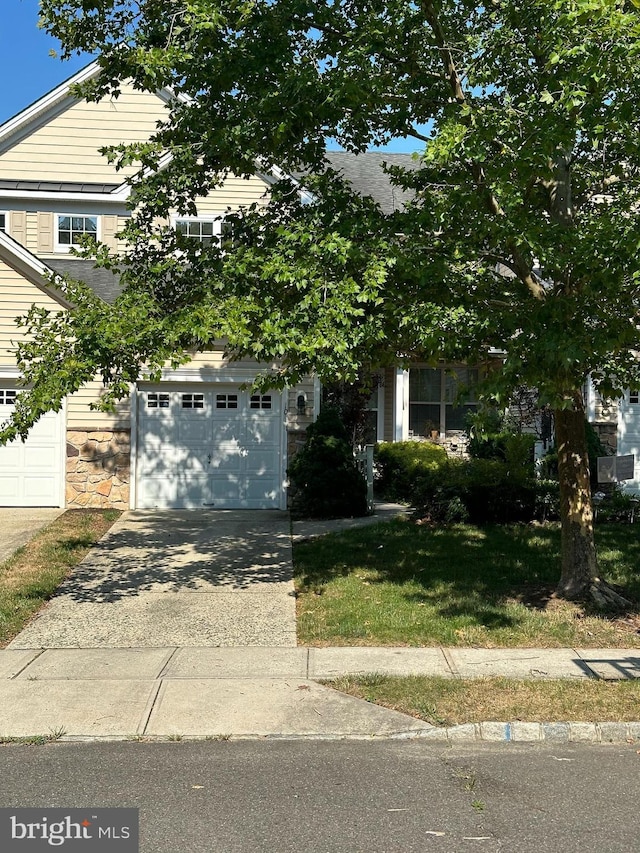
(214, 447)
(31, 472)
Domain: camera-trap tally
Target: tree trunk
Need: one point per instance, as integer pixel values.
(579, 567)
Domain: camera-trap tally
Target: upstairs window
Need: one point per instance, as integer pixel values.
(206, 231)
(72, 229)
(3, 222)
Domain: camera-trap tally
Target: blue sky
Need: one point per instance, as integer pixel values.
(28, 71)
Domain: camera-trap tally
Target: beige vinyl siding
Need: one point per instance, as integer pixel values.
(80, 415)
(16, 297)
(236, 192)
(31, 231)
(65, 148)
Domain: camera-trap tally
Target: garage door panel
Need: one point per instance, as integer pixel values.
(9, 490)
(227, 456)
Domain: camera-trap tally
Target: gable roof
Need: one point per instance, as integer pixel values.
(364, 172)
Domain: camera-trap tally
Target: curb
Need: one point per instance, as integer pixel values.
(487, 732)
(518, 732)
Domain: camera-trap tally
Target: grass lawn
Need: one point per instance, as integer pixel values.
(450, 702)
(31, 575)
(403, 584)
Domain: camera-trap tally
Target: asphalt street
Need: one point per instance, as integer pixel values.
(343, 797)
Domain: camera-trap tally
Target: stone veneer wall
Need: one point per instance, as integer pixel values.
(608, 433)
(98, 468)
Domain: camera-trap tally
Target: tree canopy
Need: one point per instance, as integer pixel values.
(522, 235)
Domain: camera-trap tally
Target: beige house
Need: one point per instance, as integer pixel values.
(197, 438)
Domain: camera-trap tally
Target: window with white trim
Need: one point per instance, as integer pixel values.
(71, 230)
(634, 396)
(8, 396)
(434, 404)
(4, 221)
(206, 230)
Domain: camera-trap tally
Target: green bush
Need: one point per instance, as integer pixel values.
(483, 491)
(617, 506)
(398, 465)
(324, 474)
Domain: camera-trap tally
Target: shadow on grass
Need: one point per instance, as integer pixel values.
(462, 571)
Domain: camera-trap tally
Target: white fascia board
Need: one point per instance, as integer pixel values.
(27, 265)
(117, 196)
(279, 174)
(31, 113)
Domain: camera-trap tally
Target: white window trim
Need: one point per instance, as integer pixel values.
(7, 221)
(216, 218)
(65, 248)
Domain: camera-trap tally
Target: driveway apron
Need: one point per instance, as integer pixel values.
(177, 578)
(20, 524)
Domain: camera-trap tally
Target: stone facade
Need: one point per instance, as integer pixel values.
(98, 468)
(608, 433)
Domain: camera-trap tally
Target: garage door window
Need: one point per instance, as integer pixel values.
(260, 401)
(226, 401)
(7, 396)
(193, 401)
(157, 401)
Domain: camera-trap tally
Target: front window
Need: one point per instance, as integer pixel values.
(435, 404)
(72, 230)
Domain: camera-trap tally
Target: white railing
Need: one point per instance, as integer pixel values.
(364, 460)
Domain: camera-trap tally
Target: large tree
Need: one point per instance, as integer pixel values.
(522, 236)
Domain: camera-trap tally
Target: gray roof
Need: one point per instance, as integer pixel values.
(104, 283)
(365, 174)
(57, 186)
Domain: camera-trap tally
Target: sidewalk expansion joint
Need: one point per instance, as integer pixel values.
(151, 704)
(27, 665)
(455, 673)
(168, 660)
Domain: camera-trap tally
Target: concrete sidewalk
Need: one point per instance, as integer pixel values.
(270, 692)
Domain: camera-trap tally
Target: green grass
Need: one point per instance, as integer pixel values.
(448, 702)
(30, 577)
(404, 584)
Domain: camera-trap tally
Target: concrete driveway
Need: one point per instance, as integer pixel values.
(177, 578)
(20, 524)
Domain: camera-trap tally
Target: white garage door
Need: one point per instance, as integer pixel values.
(31, 471)
(629, 435)
(209, 446)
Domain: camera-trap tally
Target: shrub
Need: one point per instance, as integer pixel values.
(399, 465)
(488, 490)
(324, 474)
